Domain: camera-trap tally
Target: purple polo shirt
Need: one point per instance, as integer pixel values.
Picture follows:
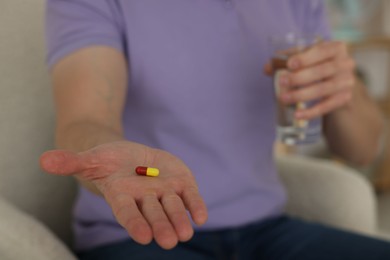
(196, 90)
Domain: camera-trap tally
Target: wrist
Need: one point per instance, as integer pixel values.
(81, 136)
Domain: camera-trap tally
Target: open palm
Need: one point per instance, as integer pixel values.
(147, 207)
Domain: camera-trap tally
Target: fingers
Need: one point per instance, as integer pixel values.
(319, 90)
(327, 105)
(333, 53)
(154, 213)
(177, 214)
(324, 62)
(144, 221)
(321, 71)
(195, 205)
(330, 94)
(61, 162)
(317, 54)
(324, 73)
(165, 220)
(128, 215)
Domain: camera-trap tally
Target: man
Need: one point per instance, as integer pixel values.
(178, 85)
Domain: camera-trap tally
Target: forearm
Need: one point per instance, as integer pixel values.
(354, 131)
(89, 89)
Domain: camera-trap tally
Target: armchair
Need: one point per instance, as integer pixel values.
(35, 208)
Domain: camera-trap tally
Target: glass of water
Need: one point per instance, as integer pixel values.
(291, 130)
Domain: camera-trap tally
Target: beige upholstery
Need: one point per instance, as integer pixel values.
(328, 193)
(35, 208)
(27, 119)
(23, 237)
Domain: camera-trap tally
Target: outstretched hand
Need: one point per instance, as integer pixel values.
(147, 207)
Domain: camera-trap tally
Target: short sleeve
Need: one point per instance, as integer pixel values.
(75, 24)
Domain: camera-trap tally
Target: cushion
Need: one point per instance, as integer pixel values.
(23, 237)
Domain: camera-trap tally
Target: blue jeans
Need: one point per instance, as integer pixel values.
(273, 239)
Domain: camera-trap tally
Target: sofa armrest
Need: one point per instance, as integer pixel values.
(329, 193)
(23, 237)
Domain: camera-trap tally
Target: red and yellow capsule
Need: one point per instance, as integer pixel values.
(147, 171)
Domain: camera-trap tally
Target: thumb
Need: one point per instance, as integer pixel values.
(61, 162)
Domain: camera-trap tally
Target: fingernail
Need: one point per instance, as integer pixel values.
(299, 114)
(284, 81)
(294, 64)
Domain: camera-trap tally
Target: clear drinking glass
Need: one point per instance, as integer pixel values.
(290, 130)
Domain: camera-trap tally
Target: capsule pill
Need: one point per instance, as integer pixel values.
(147, 171)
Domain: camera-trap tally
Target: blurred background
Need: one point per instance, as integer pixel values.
(365, 26)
